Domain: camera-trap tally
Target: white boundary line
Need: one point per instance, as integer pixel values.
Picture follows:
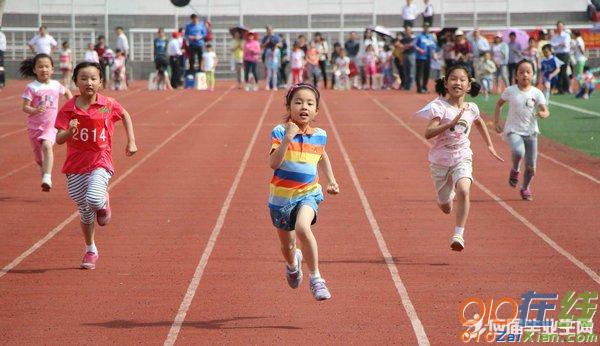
(72, 217)
(212, 240)
(16, 170)
(12, 133)
(564, 165)
(573, 108)
(404, 297)
(593, 275)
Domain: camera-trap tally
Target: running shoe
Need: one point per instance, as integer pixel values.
(46, 182)
(89, 260)
(294, 277)
(318, 289)
(526, 195)
(457, 243)
(513, 179)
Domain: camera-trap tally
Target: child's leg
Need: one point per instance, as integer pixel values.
(547, 88)
(530, 144)
(517, 148)
(288, 246)
(88, 234)
(463, 185)
(48, 156)
(308, 242)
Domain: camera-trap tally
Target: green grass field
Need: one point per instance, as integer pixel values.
(576, 129)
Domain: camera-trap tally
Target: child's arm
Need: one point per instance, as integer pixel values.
(278, 155)
(325, 165)
(480, 124)
(27, 108)
(497, 111)
(63, 135)
(544, 112)
(68, 94)
(554, 73)
(128, 124)
(434, 128)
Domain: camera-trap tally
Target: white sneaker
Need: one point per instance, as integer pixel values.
(247, 88)
(458, 243)
(46, 182)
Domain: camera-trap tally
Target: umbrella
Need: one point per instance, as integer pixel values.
(522, 37)
(242, 30)
(380, 30)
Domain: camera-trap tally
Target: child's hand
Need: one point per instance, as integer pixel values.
(493, 152)
(291, 129)
(40, 109)
(130, 149)
(333, 188)
(498, 127)
(73, 125)
(457, 118)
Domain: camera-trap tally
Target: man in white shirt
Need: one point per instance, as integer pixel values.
(2, 50)
(122, 41)
(428, 13)
(561, 45)
(174, 53)
(409, 14)
(43, 43)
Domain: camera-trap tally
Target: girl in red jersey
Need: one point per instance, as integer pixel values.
(86, 123)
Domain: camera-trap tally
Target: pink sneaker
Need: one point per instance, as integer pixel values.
(526, 195)
(89, 260)
(103, 215)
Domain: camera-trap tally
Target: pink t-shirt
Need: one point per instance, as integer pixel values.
(91, 145)
(453, 145)
(251, 51)
(47, 94)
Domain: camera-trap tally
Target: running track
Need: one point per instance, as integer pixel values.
(191, 257)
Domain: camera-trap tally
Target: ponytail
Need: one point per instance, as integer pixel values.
(475, 88)
(440, 86)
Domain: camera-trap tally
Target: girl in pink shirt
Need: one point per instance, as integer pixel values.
(40, 102)
(450, 121)
(251, 55)
(86, 123)
(370, 62)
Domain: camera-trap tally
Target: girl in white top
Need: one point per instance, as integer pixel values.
(342, 71)
(579, 52)
(526, 103)
(91, 55)
(297, 64)
(450, 157)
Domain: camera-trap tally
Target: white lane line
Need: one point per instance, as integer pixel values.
(404, 297)
(72, 217)
(564, 165)
(573, 108)
(12, 133)
(593, 275)
(212, 240)
(16, 170)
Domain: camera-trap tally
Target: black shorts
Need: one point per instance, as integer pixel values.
(161, 64)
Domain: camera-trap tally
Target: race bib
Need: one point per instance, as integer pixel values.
(91, 134)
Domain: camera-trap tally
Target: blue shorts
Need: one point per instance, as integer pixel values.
(553, 81)
(285, 217)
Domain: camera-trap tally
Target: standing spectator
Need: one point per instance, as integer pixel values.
(385, 61)
(323, 49)
(352, 48)
(480, 45)
(463, 51)
(43, 42)
(91, 55)
(370, 61)
(409, 57)
(532, 54)
(302, 43)
(285, 59)
(428, 13)
(514, 56)
(561, 45)
(185, 52)
(251, 56)
(297, 64)
(195, 31)
(268, 41)
(486, 70)
(272, 63)
(312, 64)
(424, 46)
(209, 66)
(2, 50)
(66, 64)
(448, 49)
(341, 68)
(409, 13)
(337, 47)
(398, 54)
(542, 40)
(500, 57)
(122, 42)
(160, 51)
(368, 40)
(100, 48)
(237, 52)
(579, 53)
(175, 53)
(119, 71)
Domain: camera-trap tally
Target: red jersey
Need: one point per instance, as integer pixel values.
(90, 147)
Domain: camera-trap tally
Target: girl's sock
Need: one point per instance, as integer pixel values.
(547, 95)
(315, 275)
(91, 248)
(459, 230)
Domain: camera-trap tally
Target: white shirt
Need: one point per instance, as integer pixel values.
(409, 12)
(561, 43)
(2, 41)
(579, 47)
(297, 59)
(43, 44)
(343, 64)
(91, 56)
(123, 43)
(208, 59)
(428, 11)
(174, 47)
(522, 110)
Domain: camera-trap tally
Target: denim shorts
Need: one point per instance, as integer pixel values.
(285, 217)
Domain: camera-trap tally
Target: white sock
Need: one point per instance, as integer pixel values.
(315, 275)
(44, 175)
(91, 248)
(459, 230)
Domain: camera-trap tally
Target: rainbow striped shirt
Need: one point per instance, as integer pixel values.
(297, 177)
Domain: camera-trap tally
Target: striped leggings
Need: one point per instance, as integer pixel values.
(88, 190)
